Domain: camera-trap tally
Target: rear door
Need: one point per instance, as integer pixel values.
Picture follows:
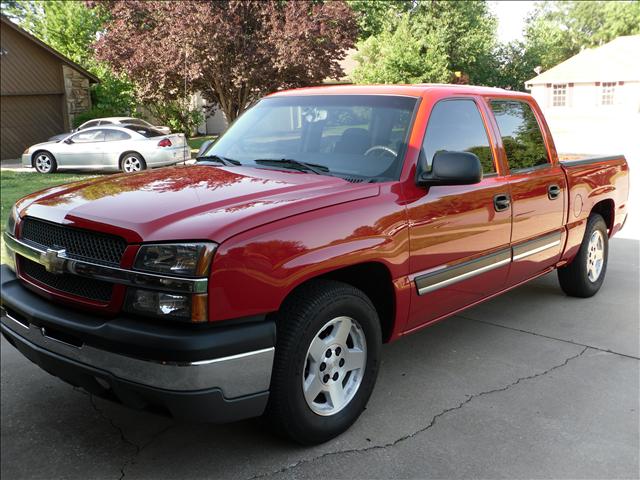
(459, 240)
(538, 190)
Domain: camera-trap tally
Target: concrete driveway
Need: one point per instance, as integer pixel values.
(530, 384)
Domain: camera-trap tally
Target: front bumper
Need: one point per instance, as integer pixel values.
(207, 373)
(26, 160)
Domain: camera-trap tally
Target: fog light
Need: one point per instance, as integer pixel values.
(185, 307)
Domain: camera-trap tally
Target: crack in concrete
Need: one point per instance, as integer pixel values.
(433, 421)
(572, 342)
(138, 448)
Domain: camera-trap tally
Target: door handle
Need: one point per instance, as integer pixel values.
(553, 191)
(501, 202)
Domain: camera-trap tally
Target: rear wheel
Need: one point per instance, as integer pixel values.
(584, 276)
(327, 358)
(132, 162)
(44, 162)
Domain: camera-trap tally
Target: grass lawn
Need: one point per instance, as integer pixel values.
(15, 185)
(196, 142)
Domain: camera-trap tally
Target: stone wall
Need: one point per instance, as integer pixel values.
(77, 94)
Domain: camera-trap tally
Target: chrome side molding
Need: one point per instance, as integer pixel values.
(449, 274)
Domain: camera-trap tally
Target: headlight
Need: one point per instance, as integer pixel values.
(181, 259)
(11, 229)
(11, 221)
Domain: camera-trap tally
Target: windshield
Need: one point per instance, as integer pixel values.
(352, 136)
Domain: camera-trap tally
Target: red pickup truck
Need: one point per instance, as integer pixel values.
(325, 222)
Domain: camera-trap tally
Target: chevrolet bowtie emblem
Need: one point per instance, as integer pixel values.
(53, 260)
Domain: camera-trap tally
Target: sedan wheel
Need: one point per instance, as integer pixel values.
(44, 163)
(132, 163)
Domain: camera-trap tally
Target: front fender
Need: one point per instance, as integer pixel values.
(254, 272)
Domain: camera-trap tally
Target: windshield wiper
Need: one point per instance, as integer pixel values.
(229, 162)
(293, 163)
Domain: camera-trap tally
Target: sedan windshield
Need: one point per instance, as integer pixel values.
(359, 137)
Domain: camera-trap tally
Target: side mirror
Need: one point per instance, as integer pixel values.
(451, 168)
(68, 141)
(203, 148)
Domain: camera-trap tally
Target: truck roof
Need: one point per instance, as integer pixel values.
(408, 90)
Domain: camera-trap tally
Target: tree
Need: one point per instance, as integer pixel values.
(374, 15)
(428, 42)
(233, 51)
(558, 30)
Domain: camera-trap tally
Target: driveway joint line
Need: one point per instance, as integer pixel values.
(572, 342)
(433, 421)
(123, 437)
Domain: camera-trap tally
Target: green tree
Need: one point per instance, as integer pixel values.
(374, 15)
(556, 31)
(427, 43)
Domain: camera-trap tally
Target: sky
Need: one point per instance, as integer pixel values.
(511, 16)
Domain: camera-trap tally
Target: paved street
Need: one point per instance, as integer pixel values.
(530, 384)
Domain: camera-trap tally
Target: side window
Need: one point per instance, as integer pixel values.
(456, 125)
(520, 132)
(106, 122)
(114, 135)
(93, 123)
(87, 136)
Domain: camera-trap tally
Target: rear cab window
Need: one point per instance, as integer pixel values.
(521, 135)
(456, 125)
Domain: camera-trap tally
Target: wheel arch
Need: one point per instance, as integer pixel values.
(374, 280)
(606, 208)
(40, 150)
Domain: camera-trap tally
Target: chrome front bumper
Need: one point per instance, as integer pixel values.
(236, 375)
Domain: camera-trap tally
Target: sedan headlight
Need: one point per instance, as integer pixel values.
(10, 228)
(12, 221)
(172, 259)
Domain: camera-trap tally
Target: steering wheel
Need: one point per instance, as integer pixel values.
(383, 148)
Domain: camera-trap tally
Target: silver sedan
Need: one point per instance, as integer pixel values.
(130, 148)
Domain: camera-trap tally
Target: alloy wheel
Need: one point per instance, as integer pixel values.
(334, 366)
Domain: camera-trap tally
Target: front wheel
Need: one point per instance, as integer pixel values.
(327, 358)
(44, 162)
(584, 276)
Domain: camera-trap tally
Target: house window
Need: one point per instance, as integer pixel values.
(559, 94)
(608, 90)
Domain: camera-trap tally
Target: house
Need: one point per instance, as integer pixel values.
(41, 90)
(592, 100)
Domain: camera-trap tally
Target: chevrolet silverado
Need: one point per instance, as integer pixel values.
(326, 221)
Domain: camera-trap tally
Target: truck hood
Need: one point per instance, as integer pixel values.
(189, 203)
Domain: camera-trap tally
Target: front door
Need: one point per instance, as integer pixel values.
(85, 149)
(538, 191)
(459, 235)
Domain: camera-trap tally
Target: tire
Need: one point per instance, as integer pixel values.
(44, 162)
(584, 276)
(132, 162)
(307, 326)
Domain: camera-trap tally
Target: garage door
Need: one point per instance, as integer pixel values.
(28, 119)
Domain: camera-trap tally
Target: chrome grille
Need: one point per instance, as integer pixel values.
(68, 283)
(81, 244)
